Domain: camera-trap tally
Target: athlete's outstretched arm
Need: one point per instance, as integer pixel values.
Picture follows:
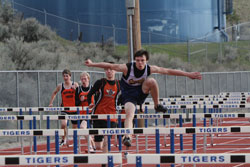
(116, 67)
(167, 71)
(57, 89)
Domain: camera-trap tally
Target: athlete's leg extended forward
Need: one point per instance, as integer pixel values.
(150, 85)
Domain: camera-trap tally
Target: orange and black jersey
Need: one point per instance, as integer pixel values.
(83, 91)
(108, 96)
(68, 97)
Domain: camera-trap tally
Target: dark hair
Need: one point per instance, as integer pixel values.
(140, 53)
(66, 71)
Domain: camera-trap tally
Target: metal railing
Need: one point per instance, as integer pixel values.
(34, 88)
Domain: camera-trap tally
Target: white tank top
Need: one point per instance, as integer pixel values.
(132, 80)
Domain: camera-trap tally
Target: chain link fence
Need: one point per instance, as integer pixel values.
(34, 88)
(232, 42)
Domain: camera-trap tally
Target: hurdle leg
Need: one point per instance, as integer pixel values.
(79, 143)
(137, 143)
(146, 125)
(75, 140)
(164, 136)
(205, 135)
(67, 137)
(211, 124)
(48, 137)
(21, 137)
(194, 135)
(157, 143)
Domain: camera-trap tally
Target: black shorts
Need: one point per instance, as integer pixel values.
(74, 122)
(102, 124)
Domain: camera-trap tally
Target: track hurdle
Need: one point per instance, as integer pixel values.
(32, 133)
(211, 96)
(152, 116)
(28, 132)
(235, 93)
(148, 116)
(14, 109)
(141, 159)
(162, 131)
(199, 102)
(151, 106)
(199, 99)
(51, 109)
(21, 118)
(36, 109)
(64, 159)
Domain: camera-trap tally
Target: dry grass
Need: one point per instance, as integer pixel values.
(242, 8)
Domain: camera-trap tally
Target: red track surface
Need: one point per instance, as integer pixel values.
(222, 143)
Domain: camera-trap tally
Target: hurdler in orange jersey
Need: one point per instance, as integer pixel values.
(67, 89)
(81, 100)
(68, 97)
(107, 101)
(82, 92)
(108, 89)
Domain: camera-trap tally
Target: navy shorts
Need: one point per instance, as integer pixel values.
(133, 94)
(102, 124)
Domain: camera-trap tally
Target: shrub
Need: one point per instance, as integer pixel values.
(19, 53)
(29, 30)
(6, 13)
(32, 31)
(4, 32)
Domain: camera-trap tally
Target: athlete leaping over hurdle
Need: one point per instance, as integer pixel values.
(135, 84)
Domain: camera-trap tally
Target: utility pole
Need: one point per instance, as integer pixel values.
(134, 34)
(133, 27)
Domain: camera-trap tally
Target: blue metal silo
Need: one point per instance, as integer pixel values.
(162, 21)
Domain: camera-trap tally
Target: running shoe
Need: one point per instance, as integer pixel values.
(63, 142)
(160, 108)
(127, 141)
(91, 150)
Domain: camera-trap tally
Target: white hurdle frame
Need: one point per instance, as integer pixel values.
(19, 117)
(140, 159)
(147, 116)
(63, 159)
(28, 132)
(152, 131)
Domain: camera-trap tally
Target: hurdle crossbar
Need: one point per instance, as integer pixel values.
(64, 159)
(212, 96)
(197, 106)
(188, 158)
(196, 102)
(200, 99)
(233, 104)
(36, 109)
(27, 132)
(235, 93)
(15, 109)
(146, 116)
(152, 131)
(19, 117)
